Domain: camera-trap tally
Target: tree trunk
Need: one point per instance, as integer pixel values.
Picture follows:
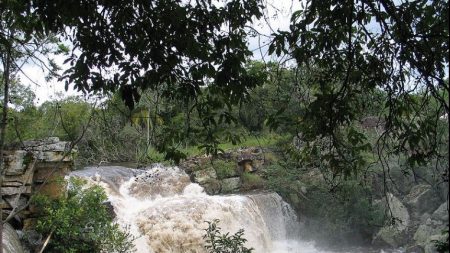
(3, 123)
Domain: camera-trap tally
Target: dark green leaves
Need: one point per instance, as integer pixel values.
(354, 50)
(216, 242)
(153, 43)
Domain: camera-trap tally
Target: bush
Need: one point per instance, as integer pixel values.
(442, 246)
(224, 169)
(216, 242)
(252, 181)
(80, 222)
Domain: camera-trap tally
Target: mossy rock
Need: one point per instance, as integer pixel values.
(212, 186)
(230, 185)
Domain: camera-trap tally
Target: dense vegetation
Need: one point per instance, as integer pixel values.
(80, 222)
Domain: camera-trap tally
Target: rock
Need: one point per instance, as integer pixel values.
(53, 177)
(427, 233)
(202, 176)
(32, 238)
(12, 184)
(399, 212)
(294, 199)
(231, 184)
(14, 201)
(430, 248)
(30, 167)
(49, 173)
(394, 234)
(247, 165)
(29, 223)
(110, 209)
(423, 219)
(212, 186)
(15, 162)
(372, 122)
(16, 190)
(55, 156)
(391, 236)
(415, 249)
(423, 234)
(441, 213)
(422, 199)
(11, 241)
(24, 179)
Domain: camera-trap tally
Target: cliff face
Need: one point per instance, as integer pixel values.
(33, 167)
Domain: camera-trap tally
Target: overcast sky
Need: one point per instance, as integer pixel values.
(277, 16)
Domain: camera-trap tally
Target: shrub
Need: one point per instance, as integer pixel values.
(252, 181)
(442, 245)
(80, 222)
(224, 169)
(216, 242)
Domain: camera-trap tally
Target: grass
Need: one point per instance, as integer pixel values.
(264, 141)
(252, 181)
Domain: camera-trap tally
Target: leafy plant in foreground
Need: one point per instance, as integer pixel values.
(216, 242)
(80, 222)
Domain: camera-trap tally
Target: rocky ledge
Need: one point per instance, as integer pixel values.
(229, 172)
(30, 167)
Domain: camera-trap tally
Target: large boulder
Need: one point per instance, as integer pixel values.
(212, 186)
(203, 176)
(231, 184)
(393, 234)
(422, 198)
(441, 213)
(431, 229)
(11, 241)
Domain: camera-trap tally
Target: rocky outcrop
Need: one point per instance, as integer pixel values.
(31, 167)
(223, 174)
(422, 199)
(431, 229)
(418, 220)
(394, 234)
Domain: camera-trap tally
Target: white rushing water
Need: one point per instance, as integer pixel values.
(167, 213)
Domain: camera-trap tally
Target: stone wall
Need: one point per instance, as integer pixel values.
(33, 167)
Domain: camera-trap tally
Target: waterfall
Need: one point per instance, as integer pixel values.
(167, 213)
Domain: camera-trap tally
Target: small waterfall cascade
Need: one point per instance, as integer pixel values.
(167, 213)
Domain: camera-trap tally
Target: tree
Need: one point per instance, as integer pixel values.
(21, 96)
(354, 50)
(20, 43)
